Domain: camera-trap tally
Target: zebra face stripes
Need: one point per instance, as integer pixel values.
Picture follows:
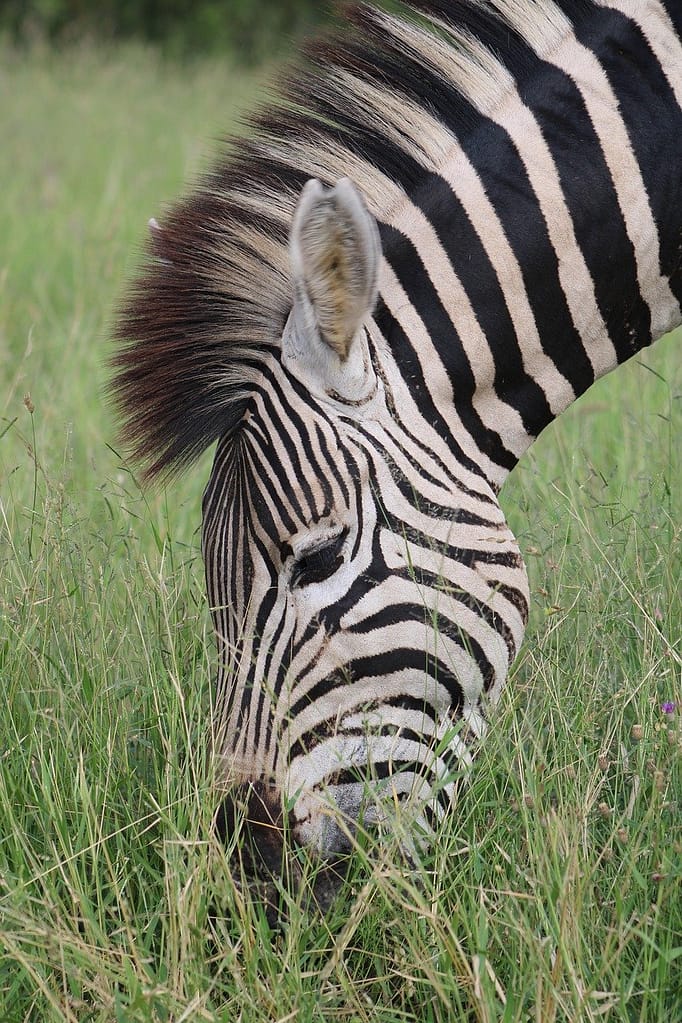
(367, 607)
(373, 359)
(375, 594)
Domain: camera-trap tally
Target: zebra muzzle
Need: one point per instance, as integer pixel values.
(266, 859)
(252, 815)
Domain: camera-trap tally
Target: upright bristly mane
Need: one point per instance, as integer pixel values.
(380, 99)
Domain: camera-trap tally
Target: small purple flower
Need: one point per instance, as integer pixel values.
(668, 707)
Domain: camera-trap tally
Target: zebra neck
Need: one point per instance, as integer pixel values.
(546, 248)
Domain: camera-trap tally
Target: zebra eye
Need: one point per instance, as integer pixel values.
(313, 566)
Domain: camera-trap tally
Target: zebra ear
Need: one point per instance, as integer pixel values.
(335, 256)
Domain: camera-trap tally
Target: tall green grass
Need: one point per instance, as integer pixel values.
(554, 893)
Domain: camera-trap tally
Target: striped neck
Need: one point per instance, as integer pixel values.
(546, 250)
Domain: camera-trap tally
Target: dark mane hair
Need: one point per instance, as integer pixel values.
(380, 99)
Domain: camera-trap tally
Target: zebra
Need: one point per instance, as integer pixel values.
(450, 223)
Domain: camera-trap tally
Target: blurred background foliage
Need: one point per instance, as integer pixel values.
(250, 30)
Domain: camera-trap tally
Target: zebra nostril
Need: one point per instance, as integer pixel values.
(254, 809)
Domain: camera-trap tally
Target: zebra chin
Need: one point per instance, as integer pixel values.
(269, 857)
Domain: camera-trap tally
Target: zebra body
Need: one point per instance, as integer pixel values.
(446, 232)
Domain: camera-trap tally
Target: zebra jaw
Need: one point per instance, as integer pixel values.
(335, 255)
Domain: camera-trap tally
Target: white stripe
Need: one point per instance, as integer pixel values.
(468, 187)
(335, 705)
(409, 419)
(584, 69)
(495, 536)
(496, 415)
(473, 69)
(574, 275)
(400, 307)
(341, 752)
(432, 144)
(659, 32)
(395, 444)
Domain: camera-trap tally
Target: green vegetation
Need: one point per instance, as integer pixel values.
(554, 895)
(184, 27)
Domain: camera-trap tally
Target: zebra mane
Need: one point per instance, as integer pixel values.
(379, 99)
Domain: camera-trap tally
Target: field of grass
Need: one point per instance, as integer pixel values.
(554, 895)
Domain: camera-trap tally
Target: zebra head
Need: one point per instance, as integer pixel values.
(373, 367)
(366, 591)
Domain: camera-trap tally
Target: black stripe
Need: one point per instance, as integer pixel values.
(411, 371)
(420, 290)
(451, 484)
(259, 505)
(471, 262)
(674, 10)
(505, 180)
(376, 770)
(496, 160)
(407, 612)
(593, 204)
(467, 556)
(404, 612)
(653, 121)
(374, 666)
(380, 770)
(309, 740)
(409, 486)
(285, 430)
(330, 460)
(399, 429)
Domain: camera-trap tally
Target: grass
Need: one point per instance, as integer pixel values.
(554, 896)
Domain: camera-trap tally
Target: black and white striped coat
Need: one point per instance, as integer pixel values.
(445, 232)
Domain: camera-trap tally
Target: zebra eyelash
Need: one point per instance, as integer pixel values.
(316, 563)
